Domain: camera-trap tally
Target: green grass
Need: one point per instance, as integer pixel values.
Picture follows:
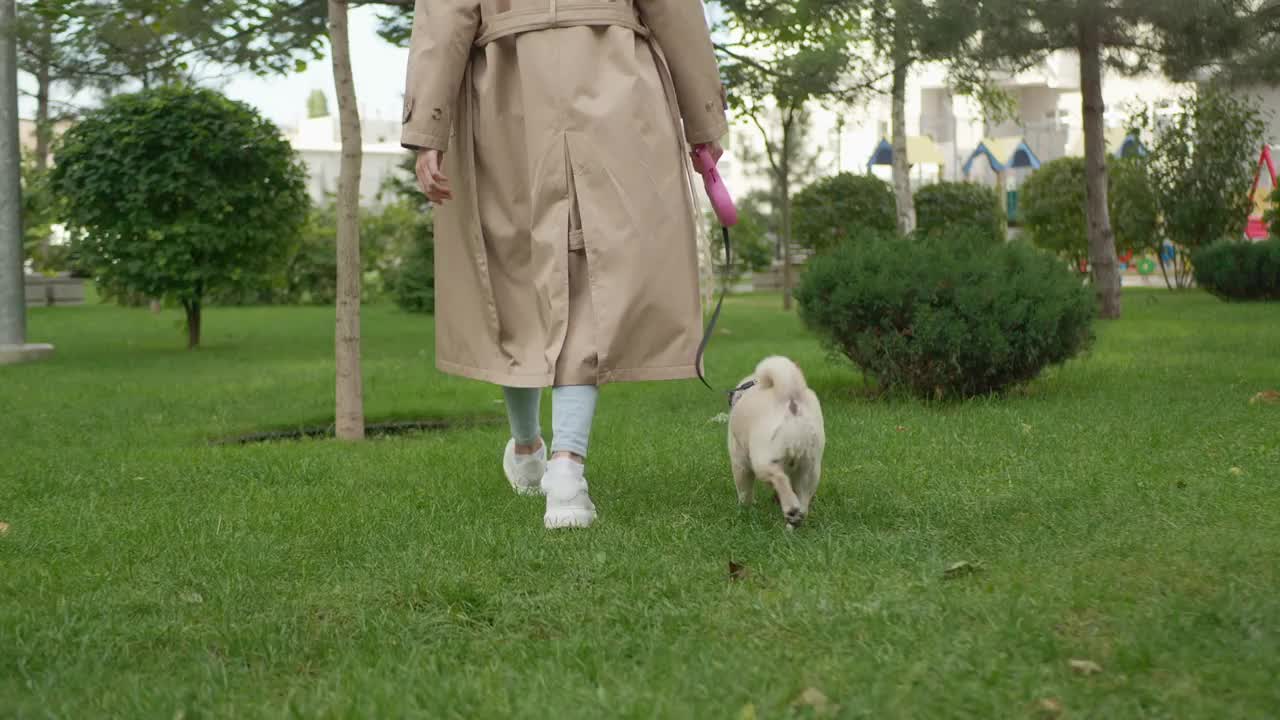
(1124, 509)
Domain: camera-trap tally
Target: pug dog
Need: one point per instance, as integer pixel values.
(776, 435)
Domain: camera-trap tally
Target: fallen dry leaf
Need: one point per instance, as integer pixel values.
(1086, 667)
(1050, 707)
(1237, 471)
(4, 528)
(816, 700)
(902, 428)
(960, 569)
(748, 712)
(720, 419)
(194, 598)
(1270, 397)
(737, 571)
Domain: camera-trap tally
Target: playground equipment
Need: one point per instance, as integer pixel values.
(1120, 144)
(1004, 155)
(1257, 227)
(921, 150)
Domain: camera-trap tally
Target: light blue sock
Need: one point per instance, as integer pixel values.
(522, 412)
(573, 407)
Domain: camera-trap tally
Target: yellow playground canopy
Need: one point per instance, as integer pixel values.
(1119, 144)
(921, 150)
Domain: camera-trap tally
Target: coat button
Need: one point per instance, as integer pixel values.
(436, 114)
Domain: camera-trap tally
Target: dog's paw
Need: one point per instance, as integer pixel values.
(794, 516)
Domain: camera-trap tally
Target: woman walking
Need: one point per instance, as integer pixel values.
(552, 134)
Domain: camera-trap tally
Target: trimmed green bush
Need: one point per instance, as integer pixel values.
(1235, 270)
(1053, 208)
(943, 207)
(181, 194)
(946, 319)
(842, 206)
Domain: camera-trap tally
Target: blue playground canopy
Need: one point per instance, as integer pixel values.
(1004, 154)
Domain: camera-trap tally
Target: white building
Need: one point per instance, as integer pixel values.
(318, 142)
(1048, 118)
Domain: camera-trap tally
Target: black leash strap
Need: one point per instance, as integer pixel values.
(715, 316)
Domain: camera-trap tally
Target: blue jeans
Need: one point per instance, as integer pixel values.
(573, 407)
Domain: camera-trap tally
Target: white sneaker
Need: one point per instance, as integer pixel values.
(525, 472)
(568, 505)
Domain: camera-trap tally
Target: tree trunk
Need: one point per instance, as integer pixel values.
(901, 163)
(784, 193)
(349, 411)
(1104, 266)
(13, 304)
(44, 130)
(1002, 201)
(192, 309)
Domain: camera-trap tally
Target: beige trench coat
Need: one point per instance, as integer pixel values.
(568, 255)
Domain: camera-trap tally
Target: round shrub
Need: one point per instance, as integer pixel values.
(1053, 208)
(1235, 270)
(842, 206)
(945, 319)
(1135, 218)
(179, 193)
(946, 206)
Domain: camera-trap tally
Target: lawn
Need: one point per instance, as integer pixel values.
(1122, 510)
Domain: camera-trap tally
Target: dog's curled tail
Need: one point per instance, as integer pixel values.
(781, 374)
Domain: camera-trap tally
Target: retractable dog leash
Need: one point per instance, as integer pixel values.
(727, 213)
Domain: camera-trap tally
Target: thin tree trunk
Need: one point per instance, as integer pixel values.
(1002, 201)
(44, 130)
(1104, 265)
(784, 191)
(901, 163)
(192, 308)
(349, 411)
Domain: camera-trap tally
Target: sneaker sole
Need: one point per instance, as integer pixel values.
(568, 518)
(524, 490)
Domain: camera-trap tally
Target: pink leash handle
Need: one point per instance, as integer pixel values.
(717, 192)
(724, 208)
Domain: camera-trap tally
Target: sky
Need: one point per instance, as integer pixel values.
(379, 77)
(379, 69)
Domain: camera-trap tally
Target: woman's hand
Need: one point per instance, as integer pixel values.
(711, 147)
(432, 180)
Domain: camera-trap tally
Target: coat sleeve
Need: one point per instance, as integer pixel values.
(440, 48)
(680, 29)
